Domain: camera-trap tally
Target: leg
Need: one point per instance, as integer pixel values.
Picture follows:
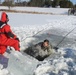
(3, 49)
(12, 43)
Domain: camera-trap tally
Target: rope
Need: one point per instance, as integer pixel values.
(35, 34)
(32, 35)
(65, 36)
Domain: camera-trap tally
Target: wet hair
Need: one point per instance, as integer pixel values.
(46, 40)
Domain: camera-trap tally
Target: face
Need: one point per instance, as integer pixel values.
(7, 18)
(45, 44)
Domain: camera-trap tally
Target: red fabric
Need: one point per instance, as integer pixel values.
(3, 17)
(2, 49)
(5, 40)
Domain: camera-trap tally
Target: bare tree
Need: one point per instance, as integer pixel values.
(8, 3)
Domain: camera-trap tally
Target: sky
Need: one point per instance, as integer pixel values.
(16, 0)
(74, 1)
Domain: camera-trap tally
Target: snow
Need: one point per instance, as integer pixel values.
(34, 28)
(46, 10)
(58, 65)
(4, 72)
(41, 10)
(20, 64)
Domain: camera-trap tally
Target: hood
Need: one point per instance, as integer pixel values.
(4, 17)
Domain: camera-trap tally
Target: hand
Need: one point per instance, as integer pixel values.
(56, 48)
(17, 39)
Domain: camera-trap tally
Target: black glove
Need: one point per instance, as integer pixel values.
(17, 39)
(56, 48)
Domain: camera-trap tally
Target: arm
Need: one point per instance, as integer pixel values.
(50, 50)
(9, 32)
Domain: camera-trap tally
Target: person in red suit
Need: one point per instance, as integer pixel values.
(7, 37)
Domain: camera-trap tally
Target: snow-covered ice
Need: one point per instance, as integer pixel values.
(34, 28)
(50, 10)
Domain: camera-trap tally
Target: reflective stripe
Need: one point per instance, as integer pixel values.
(2, 25)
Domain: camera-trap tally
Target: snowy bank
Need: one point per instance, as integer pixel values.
(57, 11)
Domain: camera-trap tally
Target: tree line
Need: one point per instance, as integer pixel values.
(39, 3)
(51, 3)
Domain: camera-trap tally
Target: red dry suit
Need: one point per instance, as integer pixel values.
(7, 38)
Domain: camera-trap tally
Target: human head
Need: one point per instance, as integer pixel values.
(46, 43)
(4, 17)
